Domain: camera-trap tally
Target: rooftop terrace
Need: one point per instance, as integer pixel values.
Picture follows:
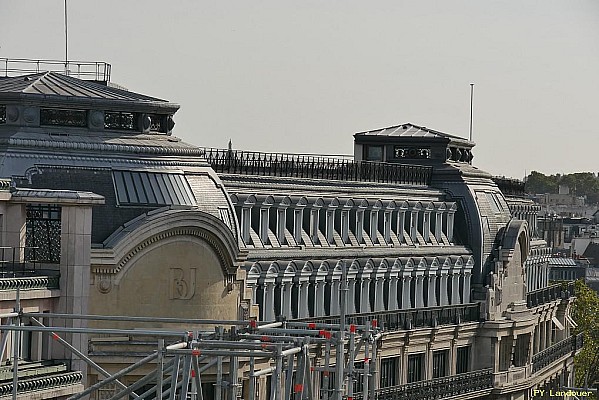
(342, 168)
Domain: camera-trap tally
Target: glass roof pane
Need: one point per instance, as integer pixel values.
(164, 189)
(129, 187)
(171, 189)
(139, 188)
(148, 188)
(121, 191)
(156, 189)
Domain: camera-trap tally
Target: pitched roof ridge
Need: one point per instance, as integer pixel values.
(33, 81)
(105, 89)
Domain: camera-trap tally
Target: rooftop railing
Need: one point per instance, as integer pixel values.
(91, 70)
(550, 293)
(410, 319)
(315, 167)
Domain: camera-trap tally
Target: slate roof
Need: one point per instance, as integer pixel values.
(561, 262)
(408, 130)
(55, 84)
(592, 252)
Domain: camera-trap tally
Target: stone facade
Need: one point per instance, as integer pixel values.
(429, 243)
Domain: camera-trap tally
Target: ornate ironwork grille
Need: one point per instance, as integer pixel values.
(42, 240)
(120, 120)
(2, 114)
(52, 116)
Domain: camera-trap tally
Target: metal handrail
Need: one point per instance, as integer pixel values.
(96, 70)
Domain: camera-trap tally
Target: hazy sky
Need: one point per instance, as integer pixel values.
(303, 76)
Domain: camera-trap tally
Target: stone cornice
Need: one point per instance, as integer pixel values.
(294, 253)
(106, 147)
(106, 160)
(326, 187)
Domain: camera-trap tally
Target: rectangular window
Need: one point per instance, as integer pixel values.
(389, 371)
(358, 377)
(521, 352)
(52, 116)
(462, 360)
(415, 367)
(440, 363)
(373, 153)
(2, 114)
(120, 121)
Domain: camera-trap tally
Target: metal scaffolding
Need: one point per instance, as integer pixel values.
(303, 360)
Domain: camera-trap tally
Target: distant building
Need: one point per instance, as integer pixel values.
(567, 269)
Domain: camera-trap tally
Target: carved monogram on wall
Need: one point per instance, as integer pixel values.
(182, 283)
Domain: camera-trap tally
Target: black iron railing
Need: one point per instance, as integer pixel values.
(315, 167)
(440, 388)
(92, 70)
(510, 187)
(550, 293)
(557, 351)
(42, 383)
(42, 237)
(410, 319)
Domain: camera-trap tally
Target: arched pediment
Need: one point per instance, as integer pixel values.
(250, 200)
(377, 205)
(323, 267)
(308, 267)
(268, 201)
(255, 270)
(349, 203)
(285, 201)
(150, 230)
(273, 268)
(291, 267)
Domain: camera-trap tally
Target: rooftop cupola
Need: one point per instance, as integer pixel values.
(54, 100)
(409, 143)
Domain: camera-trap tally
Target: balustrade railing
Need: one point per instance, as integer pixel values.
(42, 383)
(439, 388)
(550, 293)
(315, 167)
(555, 352)
(411, 318)
(30, 283)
